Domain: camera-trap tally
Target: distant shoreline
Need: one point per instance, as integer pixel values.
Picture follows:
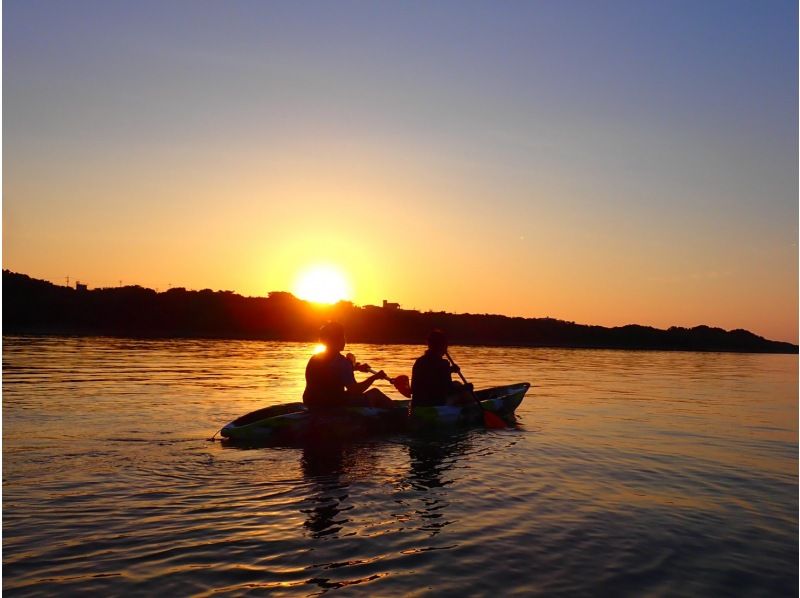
(89, 335)
(34, 307)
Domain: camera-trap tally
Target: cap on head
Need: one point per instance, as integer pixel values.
(437, 341)
(332, 334)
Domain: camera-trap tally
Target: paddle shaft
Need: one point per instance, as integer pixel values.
(490, 420)
(352, 359)
(371, 371)
(464, 380)
(401, 383)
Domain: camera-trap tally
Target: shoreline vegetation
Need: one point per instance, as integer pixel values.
(32, 306)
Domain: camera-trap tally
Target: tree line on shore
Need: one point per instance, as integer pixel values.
(32, 306)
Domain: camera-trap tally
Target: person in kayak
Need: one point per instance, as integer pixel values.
(330, 382)
(431, 382)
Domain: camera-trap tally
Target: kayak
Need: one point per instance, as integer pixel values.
(292, 422)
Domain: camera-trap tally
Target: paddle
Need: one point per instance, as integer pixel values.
(490, 420)
(401, 383)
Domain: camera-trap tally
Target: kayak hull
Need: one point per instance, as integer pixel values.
(292, 422)
(500, 400)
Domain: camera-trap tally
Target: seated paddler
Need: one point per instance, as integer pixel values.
(330, 378)
(431, 377)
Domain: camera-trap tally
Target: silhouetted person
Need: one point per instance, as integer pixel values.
(330, 382)
(431, 382)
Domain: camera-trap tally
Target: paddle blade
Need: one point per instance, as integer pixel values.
(492, 420)
(403, 385)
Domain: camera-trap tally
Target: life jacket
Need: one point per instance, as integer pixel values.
(326, 376)
(430, 381)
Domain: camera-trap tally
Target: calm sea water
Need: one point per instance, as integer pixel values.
(631, 474)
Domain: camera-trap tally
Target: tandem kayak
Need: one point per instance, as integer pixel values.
(292, 422)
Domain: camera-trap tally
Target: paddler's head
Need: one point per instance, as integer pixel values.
(437, 342)
(332, 336)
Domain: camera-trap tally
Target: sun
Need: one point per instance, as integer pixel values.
(322, 284)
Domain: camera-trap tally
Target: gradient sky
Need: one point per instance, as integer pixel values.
(601, 162)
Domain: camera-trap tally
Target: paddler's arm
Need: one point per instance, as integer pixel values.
(359, 388)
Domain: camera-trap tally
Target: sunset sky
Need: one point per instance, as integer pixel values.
(600, 162)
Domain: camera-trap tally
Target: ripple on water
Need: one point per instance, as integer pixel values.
(631, 474)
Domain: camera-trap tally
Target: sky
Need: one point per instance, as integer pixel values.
(599, 162)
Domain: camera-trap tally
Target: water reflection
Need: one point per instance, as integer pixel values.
(330, 468)
(323, 465)
(431, 459)
(646, 472)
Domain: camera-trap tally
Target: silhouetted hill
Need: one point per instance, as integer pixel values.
(33, 306)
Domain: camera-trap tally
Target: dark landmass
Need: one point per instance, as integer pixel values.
(32, 306)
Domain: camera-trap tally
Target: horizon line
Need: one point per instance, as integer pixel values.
(319, 305)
